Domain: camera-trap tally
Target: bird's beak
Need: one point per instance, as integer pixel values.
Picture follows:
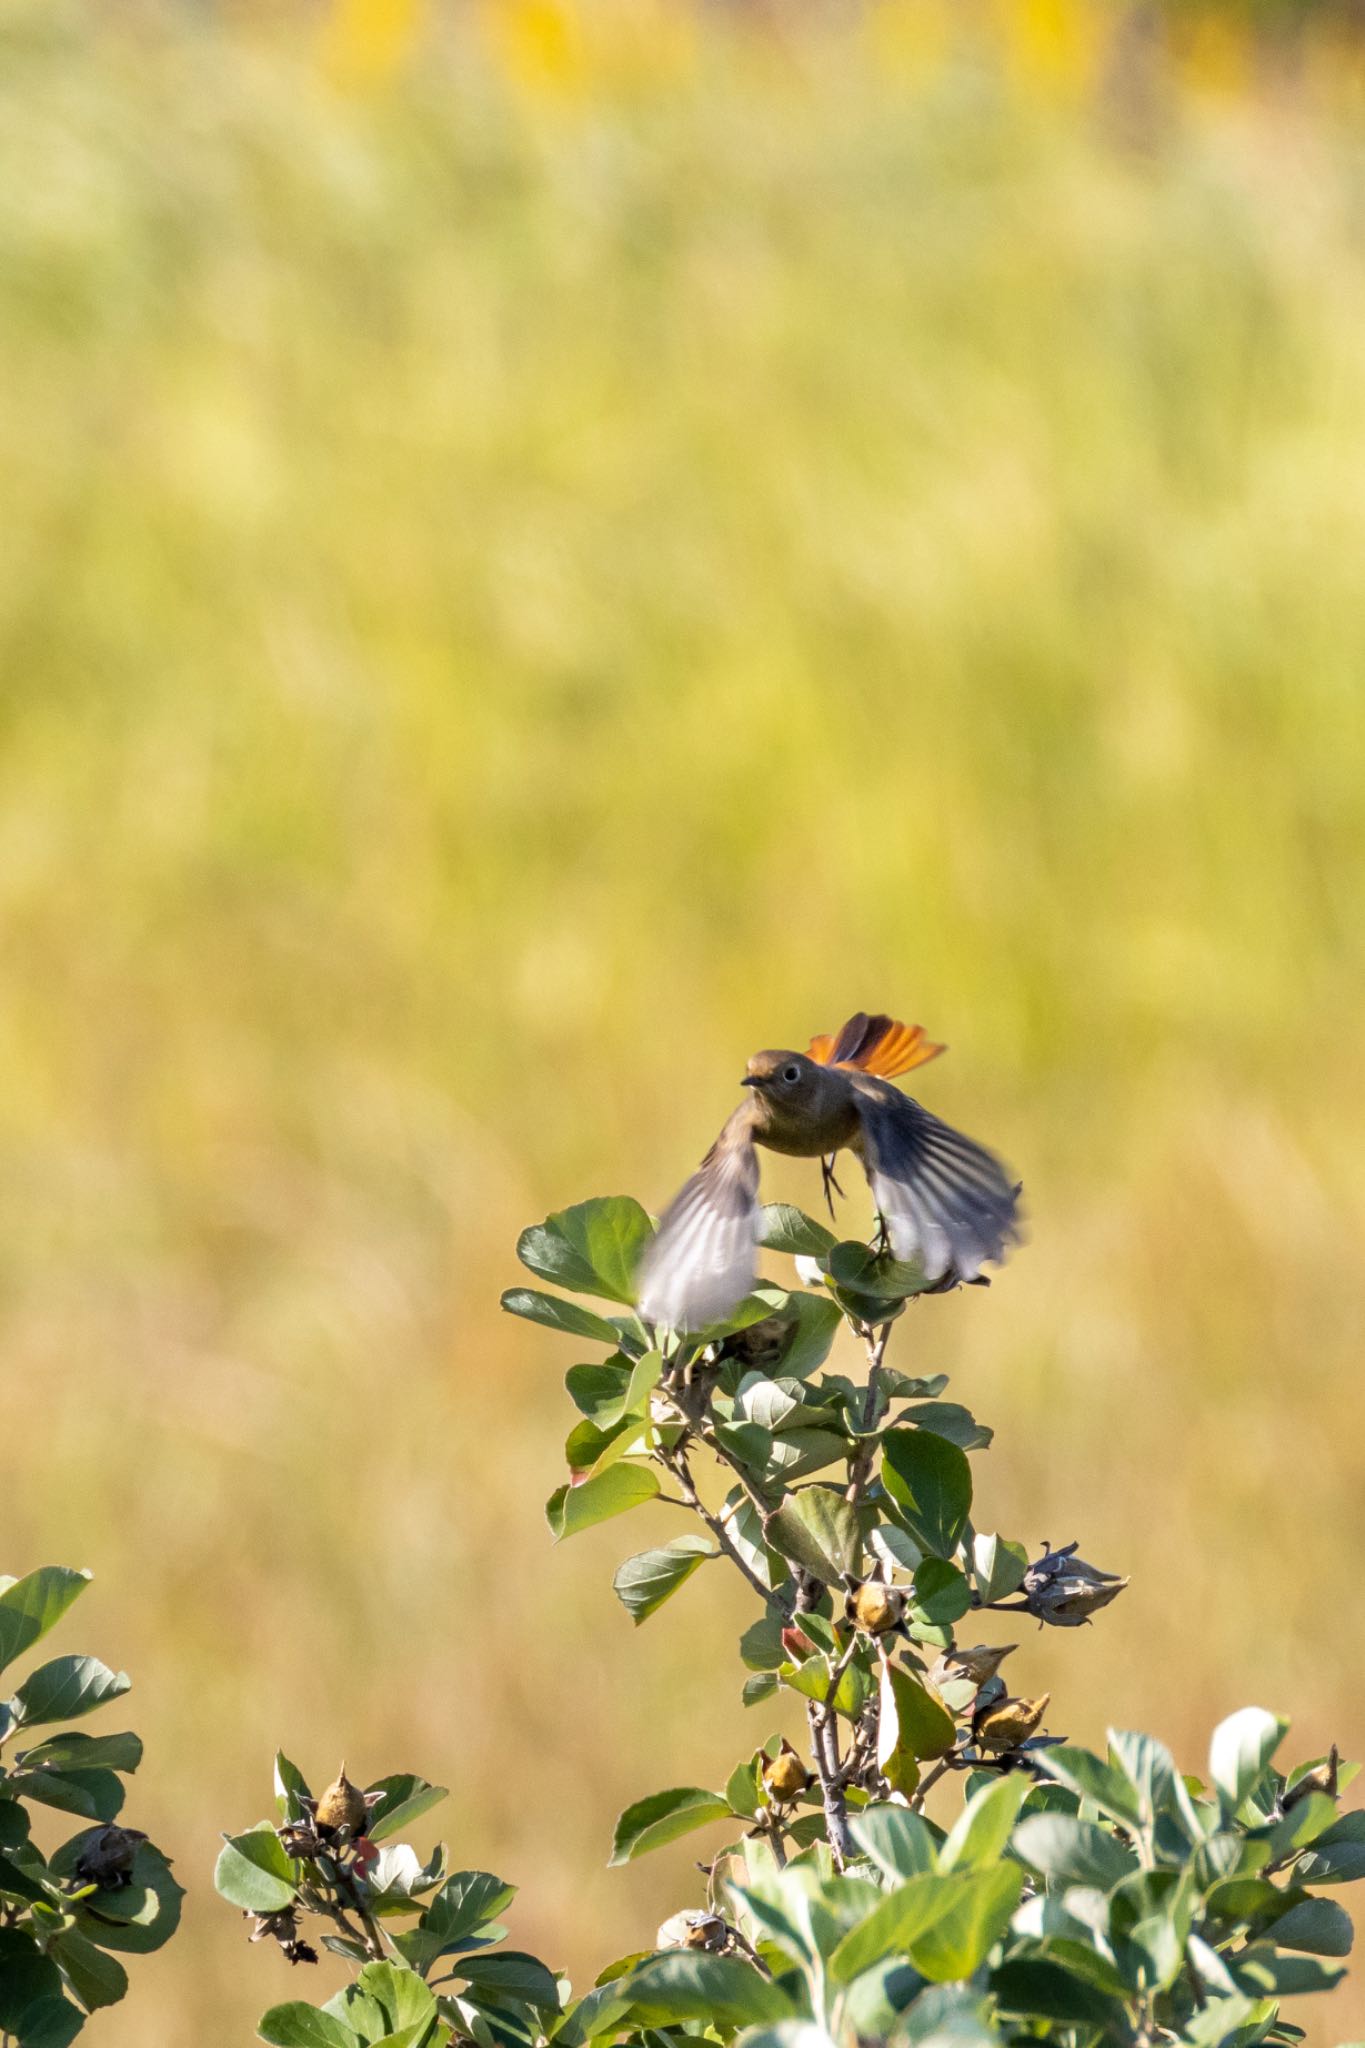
(752, 1081)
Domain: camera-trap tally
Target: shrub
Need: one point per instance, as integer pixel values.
(66, 1916)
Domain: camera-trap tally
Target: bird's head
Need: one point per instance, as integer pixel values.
(791, 1092)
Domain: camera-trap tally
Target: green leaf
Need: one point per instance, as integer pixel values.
(403, 1798)
(83, 1753)
(818, 1317)
(645, 1376)
(1106, 1787)
(891, 1927)
(612, 1492)
(1241, 1748)
(94, 1795)
(96, 1979)
(67, 1688)
(1072, 1851)
(291, 1788)
(950, 1419)
(599, 1391)
(959, 1942)
(812, 1681)
(1037, 1987)
(687, 1985)
(644, 1582)
(592, 1248)
(510, 1974)
(399, 1994)
(999, 1566)
(567, 1316)
(817, 1529)
(50, 2023)
(761, 1646)
(663, 1817)
(781, 1228)
(898, 1841)
(760, 1687)
(982, 1829)
(254, 1872)
(300, 2025)
(941, 1592)
(30, 1606)
(912, 1717)
(860, 1271)
(26, 1976)
(1318, 1927)
(141, 1916)
(930, 1482)
(1338, 1852)
(467, 1901)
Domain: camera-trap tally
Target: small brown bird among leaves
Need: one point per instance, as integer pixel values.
(944, 1201)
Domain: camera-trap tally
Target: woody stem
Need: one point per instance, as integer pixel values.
(676, 1463)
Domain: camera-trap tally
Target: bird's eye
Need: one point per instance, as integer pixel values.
(791, 1072)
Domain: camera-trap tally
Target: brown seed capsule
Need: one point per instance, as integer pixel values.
(784, 1774)
(1063, 1590)
(342, 1806)
(874, 1608)
(693, 1929)
(1009, 1722)
(976, 1664)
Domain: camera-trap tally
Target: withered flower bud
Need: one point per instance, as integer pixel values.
(874, 1608)
(341, 1808)
(1063, 1590)
(1322, 1778)
(694, 1929)
(784, 1774)
(1009, 1722)
(975, 1664)
(107, 1858)
(283, 1927)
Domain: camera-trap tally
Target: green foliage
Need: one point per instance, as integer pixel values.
(1075, 1898)
(105, 1888)
(1082, 1900)
(425, 1941)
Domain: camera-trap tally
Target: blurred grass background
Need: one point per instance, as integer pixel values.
(545, 549)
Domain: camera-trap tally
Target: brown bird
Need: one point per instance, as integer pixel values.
(944, 1202)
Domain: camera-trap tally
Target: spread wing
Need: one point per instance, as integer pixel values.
(946, 1201)
(875, 1045)
(702, 1262)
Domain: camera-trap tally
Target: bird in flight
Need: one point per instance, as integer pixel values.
(944, 1202)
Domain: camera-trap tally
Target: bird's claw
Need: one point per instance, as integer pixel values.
(831, 1185)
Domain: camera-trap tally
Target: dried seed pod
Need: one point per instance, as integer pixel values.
(694, 1929)
(976, 1664)
(1009, 1722)
(1063, 1590)
(341, 1809)
(785, 1775)
(874, 1608)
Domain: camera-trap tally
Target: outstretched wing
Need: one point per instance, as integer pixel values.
(875, 1045)
(946, 1202)
(702, 1262)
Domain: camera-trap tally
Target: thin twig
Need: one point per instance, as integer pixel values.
(676, 1463)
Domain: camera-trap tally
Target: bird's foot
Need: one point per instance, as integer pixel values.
(831, 1185)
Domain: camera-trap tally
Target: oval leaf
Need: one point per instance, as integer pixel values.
(663, 1817)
